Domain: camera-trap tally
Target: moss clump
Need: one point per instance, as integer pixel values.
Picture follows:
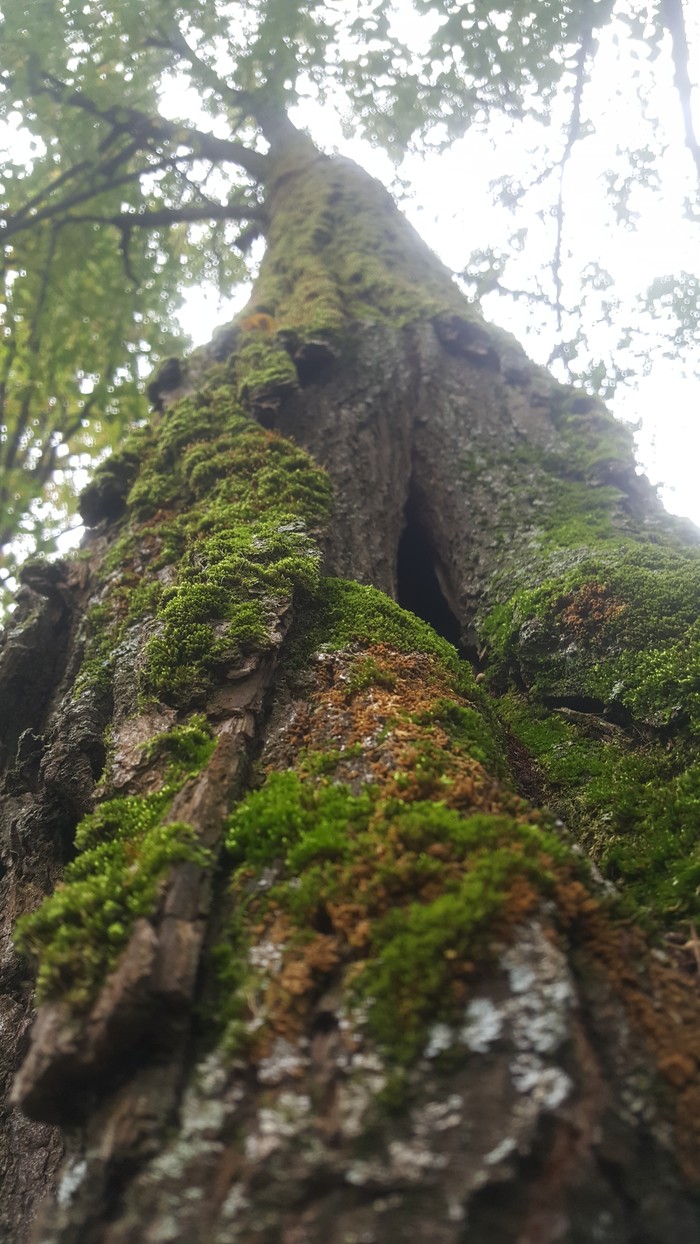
(224, 604)
(225, 513)
(102, 636)
(186, 748)
(77, 934)
(618, 629)
(338, 252)
(125, 849)
(407, 894)
(344, 613)
(470, 730)
(367, 672)
(264, 370)
(634, 802)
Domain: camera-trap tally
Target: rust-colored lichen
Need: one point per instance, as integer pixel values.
(588, 609)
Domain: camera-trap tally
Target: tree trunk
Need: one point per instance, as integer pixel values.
(321, 968)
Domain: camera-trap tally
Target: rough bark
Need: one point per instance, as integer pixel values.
(332, 974)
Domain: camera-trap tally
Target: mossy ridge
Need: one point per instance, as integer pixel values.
(226, 514)
(407, 893)
(125, 849)
(621, 630)
(635, 804)
(344, 613)
(404, 817)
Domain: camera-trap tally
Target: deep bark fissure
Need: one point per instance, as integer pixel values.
(418, 580)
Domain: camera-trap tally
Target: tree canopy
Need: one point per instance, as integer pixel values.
(110, 208)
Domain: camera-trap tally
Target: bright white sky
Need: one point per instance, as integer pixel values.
(451, 206)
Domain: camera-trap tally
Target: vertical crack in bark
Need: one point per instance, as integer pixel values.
(420, 578)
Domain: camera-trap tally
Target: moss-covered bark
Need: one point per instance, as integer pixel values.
(317, 968)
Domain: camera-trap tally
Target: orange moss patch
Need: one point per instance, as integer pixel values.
(588, 609)
(383, 735)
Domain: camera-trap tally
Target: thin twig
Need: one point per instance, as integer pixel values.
(573, 134)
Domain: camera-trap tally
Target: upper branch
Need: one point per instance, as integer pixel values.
(672, 11)
(572, 136)
(168, 216)
(174, 41)
(155, 129)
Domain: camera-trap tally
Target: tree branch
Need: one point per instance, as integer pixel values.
(20, 222)
(166, 216)
(67, 175)
(672, 15)
(176, 42)
(155, 129)
(14, 440)
(573, 134)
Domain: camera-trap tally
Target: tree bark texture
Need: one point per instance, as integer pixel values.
(325, 959)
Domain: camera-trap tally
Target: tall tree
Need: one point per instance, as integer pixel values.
(375, 628)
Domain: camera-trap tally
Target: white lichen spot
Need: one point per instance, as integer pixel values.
(211, 1075)
(438, 1116)
(236, 1202)
(258, 1147)
(284, 1061)
(267, 878)
(412, 1159)
(483, 1024)
(288, 1116)
(278, 1123)
(440, 1038)
(266, 956)
(455, 1210)
(501, 1152)
(71, 1180)
(383, 1204)
(165, 1231)
(172, 1163)
(368, 1061)
(546, 1087)
(202, 1117)
(354, 1100)
(541, 989)
(361, 1173)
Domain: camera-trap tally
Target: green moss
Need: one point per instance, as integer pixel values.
(317, 764)
(637, 808)
(225, 514)
(124, 850)
(617, 628)
(77, 934)
(338, 252)
(470, 730)
(102, 636)
(589, 436)
(366, 672)
(187, 748)
(224, 603)
(344, 613)
(426, 910)
(264, 370)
